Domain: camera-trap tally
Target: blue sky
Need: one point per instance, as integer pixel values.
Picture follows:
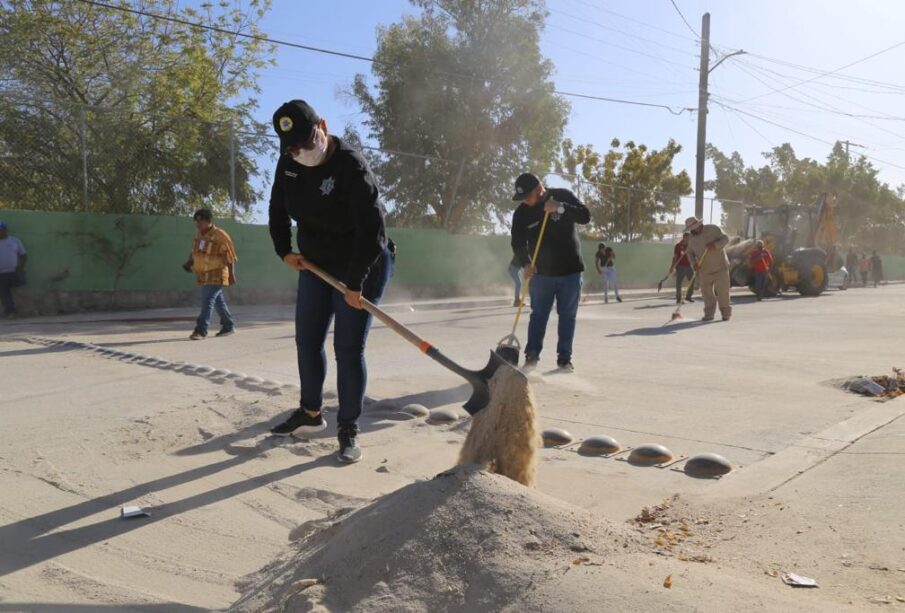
(641, 50)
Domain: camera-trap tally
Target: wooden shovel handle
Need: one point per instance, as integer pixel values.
(373, 309)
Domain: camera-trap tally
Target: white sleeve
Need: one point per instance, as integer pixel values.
(21, 247)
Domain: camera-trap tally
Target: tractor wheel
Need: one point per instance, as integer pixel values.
(813, 280)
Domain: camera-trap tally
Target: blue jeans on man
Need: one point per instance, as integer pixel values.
(316, 306)
(565, 290)
(516, 273)
(212, 298)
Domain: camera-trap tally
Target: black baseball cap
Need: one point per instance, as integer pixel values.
(523, 185)
(294, 122)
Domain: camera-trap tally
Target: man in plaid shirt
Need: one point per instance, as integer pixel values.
(213, 260)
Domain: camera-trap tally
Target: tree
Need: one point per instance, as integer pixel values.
(630, 190)
(868, 212)
(146, 97)
(463, 82)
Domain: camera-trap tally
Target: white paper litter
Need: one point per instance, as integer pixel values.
(127, 512)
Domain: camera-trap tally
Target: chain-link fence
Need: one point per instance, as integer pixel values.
(72, 157)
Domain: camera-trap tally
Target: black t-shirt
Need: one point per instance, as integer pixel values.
(337, 210)
(605, 258)
(560, 251)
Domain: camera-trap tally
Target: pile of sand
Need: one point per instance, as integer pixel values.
(468, 540)
(473, 541)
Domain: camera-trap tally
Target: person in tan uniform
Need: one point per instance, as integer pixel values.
(707, 249)
(213, 260)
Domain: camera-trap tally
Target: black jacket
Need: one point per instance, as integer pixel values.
(560, 251)
(337, 210)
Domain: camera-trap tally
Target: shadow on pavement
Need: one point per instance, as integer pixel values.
(668, 328)
(38, 539)
(431, 399)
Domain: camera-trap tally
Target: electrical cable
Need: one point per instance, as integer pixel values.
(332, 52)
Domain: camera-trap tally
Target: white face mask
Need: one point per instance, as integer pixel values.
(316, 155)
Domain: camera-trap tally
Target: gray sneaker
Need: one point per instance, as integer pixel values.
(349, 451)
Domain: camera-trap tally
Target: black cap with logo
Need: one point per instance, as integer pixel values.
(524, 185)
(294, 122)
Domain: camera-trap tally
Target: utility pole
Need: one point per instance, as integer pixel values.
(702, 117)
(847, 144)
(703, 96)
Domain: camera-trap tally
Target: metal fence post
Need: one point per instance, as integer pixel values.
(84, 145)
(232, 167)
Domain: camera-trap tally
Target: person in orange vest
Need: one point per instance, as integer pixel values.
(761, 260)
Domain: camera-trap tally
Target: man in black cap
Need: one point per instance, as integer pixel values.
(557, 272)
(327, 188)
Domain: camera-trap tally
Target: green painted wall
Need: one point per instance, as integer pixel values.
(82, 252)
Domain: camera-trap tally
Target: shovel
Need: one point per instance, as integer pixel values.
(480, 391)
(509, 348)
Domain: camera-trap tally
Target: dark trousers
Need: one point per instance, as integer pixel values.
(9, 280)
(316, 306)
(760, 283)
(682, 273)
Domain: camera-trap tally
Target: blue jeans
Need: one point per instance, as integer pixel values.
(516, 273)
(212, 298)
(566, 290)
(609, 279)
(316, 305)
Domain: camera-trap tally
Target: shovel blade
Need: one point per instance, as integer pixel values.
(480, 382)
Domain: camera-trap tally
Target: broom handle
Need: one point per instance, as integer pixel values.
(521, 302)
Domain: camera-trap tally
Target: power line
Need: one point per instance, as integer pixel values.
(640, 22)
(649, 41)
(678, 111)
(885, 87)
(831, 72)
(821, 105)
(618, 46)
(273, 41)
(823, 71)
(676, 6)
(800, 133)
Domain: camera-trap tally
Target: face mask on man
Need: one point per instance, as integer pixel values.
(314, 156)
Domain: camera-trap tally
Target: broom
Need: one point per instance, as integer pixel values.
(509, 348)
